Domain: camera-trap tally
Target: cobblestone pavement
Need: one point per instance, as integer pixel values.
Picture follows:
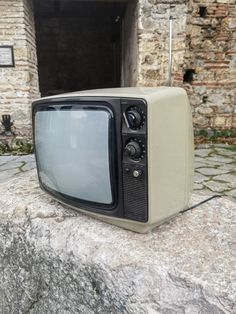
(215, 169)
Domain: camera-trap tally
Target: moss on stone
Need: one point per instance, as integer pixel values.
(16, 147)
(215, 136)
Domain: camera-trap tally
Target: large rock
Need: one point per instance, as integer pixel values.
(54, 260)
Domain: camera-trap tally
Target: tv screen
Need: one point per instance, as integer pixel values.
(73, 145)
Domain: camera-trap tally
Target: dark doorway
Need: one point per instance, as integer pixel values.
(78, 44)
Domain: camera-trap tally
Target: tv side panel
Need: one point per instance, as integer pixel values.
(170, 153)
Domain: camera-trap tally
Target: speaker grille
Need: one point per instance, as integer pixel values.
(135, 195)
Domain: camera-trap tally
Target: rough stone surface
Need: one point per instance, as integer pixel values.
(199, 178)
(19, 84)
(217, 187)
(54, 260)
(211, 171)
(203, 44)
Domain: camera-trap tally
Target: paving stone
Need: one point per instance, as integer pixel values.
(208, 163)
(11, 165)
(6, 158)
(199, 165)
(205, 146)
(198, 186)
(199, 178)
(226, 152)
(231, 193)
(28, 158)
(8, 174)
(229, 178)
(229, 167)
(219, 159)
(217, 187)
(28, 166)
(203, 152)
(211, 171)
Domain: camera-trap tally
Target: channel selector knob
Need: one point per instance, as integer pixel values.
(133, 150)
(134, 118)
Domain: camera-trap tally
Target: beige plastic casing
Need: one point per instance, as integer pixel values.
(170, 152)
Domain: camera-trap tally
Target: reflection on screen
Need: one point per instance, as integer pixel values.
(73, 153)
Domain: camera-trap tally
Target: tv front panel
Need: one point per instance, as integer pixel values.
(122, 155)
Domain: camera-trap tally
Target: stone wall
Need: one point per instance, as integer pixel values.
(204, 54)
(18, 85)
(211, 53)
(154, 41)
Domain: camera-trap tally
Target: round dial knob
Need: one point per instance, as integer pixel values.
(133, 150)
(134, 118)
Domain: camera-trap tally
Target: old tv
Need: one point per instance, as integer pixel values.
(123, 155)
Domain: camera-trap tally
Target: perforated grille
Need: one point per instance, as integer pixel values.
(135, 196)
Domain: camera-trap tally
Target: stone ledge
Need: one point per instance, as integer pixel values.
(54, 260)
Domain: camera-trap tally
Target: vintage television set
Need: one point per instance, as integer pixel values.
(123, 155)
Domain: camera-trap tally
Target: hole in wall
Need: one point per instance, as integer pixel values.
(204, 99)
(202, 11)
(188, 76)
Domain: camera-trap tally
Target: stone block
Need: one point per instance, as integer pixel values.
(53, 259)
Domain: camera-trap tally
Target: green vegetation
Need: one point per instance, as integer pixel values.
(215, 136)
(16, 147)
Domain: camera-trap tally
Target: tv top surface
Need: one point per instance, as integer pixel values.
(120, 92)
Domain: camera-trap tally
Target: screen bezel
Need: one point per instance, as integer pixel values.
(88, 104)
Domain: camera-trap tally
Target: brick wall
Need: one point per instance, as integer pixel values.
(204, 54)
(18, 85)
(211, 53)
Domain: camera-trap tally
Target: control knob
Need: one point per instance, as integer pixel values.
(134, 118)
(133, 150)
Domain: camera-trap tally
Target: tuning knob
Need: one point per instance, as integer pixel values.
(133, 150)
(134, 118)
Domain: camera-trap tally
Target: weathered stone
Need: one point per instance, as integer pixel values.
(210, 162)
(28, 166)
(228, 167)
(17, 91)
(198, 186)
(199, 178)
(217, 187)
(8, 174)
(226, 152)
(211, 171)
(198, 165)
(55, 260)
(5, 159)
(202, 152)
(230, 178)
(231, 193)
(11, 165)
(220, 159)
